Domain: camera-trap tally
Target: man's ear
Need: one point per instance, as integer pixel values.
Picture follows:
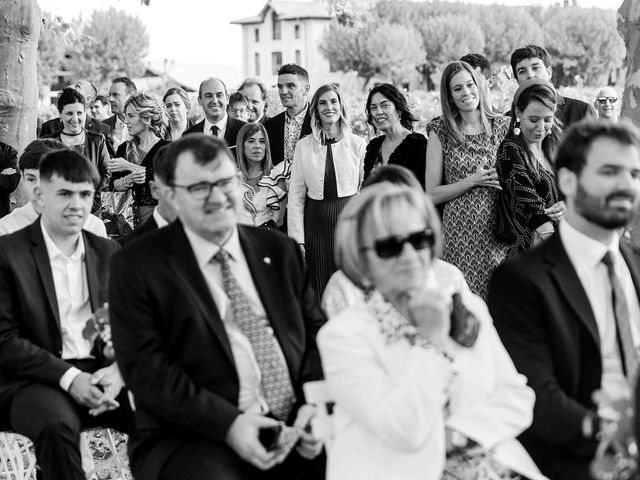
(491, 81)
(307, 88)
(567, 182)
(550, 71)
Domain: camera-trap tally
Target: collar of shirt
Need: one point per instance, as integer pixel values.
(120, 125)
(222, 125)
(299, 118)
(583, 249)
(204, 250)
(53, 251)
(160, 221)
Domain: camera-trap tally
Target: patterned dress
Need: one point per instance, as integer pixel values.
(529, 190)
(469, 221)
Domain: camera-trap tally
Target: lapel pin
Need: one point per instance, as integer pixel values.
(267, 260)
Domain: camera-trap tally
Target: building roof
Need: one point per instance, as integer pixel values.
(290, 11)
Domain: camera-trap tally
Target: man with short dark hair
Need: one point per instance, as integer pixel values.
(533, 61)
(214, 98)
(121, 90)
(567, 311)
(28, 213)
(294, 123)
(211, 352)
(256, 92)
(56, 379)
(99, 108)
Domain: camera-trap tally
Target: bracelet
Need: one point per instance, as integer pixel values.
(546, 232)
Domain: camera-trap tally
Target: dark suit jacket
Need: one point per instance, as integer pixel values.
(545, 321)
(230, 135)
(275, 129)
(149, 226)
(30, 338)
(571, 110)
(8, 183)
(52, 128)
(172, 347)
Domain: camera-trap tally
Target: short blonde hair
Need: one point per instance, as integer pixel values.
(373, 205)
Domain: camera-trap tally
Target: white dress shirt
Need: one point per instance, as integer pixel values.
(74, 307)
(586, 254)
(160, 221)
(26, 215)
(222, 126)
(250, 397)
(307, 175)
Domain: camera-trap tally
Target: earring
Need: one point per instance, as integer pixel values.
(516, 127)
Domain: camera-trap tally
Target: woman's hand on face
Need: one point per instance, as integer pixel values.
(430, 312)
(119, 165)
(556, 212)
(485, 178)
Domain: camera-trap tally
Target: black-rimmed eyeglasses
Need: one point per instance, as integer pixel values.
(392, 246)
(202, 190)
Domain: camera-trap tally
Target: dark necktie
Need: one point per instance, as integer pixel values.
(215, 130)
(330, 190)
(621, 314)
(276, 383)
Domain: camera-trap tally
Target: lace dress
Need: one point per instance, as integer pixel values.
(469, 221)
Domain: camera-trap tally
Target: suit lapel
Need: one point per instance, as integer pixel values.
(182, 260)
(41, 258)
(91, 269)
(263, 278)
(632, 258)
(569, 284)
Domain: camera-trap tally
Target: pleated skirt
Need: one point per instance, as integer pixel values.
(320, 218)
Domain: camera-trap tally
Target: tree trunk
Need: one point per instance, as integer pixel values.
(20, 24)
(629, 30)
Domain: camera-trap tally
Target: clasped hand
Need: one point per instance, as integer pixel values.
(485, 178)
(243, 435)
(556, 211)
(98, 392)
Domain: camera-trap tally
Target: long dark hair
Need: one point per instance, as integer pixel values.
(546, 95)
(395, 96)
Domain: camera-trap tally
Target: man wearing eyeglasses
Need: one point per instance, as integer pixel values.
(606, 103)
(214, 324)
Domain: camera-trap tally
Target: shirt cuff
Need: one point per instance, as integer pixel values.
(67, 379)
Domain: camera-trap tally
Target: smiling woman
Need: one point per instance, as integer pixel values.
(327, 170)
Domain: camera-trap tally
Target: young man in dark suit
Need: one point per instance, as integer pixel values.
(533, 61)
(294, 123)
(213, 98)
(55, 380)
(196, 310)
(568, 311)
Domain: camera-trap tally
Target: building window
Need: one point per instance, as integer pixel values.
(296, 31)
(256, 34)
(276, 62)
(277, 26)
(298, 57)
(256, 66)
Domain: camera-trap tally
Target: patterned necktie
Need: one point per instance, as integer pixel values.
(276, 383)
(621, 314)
(215, 130)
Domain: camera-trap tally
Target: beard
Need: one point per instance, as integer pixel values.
(598, 210)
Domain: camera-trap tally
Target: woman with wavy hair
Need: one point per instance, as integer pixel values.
(525, 164)
(461, 174)
(133, 168)
(327, 170)
(389, 113)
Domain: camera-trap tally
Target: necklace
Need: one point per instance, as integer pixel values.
(73, 134)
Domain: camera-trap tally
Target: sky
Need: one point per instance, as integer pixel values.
(198, 32)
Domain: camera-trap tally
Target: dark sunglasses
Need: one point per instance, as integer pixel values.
(392, 246)
(603, 100)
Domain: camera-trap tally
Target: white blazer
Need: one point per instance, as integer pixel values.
(307, 175)
(389, 420)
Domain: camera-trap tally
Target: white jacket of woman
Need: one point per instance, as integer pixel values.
(389, 419)
(307, 175)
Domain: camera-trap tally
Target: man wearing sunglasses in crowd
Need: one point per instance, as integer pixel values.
(606, 104)
(215, 326)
